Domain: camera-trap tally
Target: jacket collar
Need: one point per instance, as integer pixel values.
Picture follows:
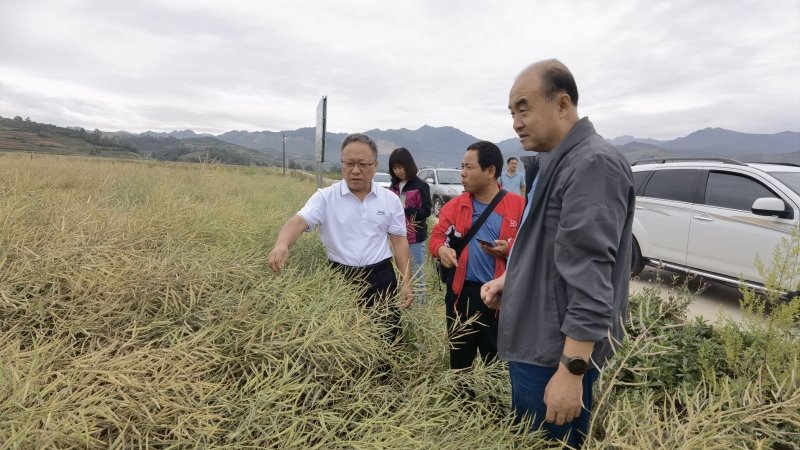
(549, 160)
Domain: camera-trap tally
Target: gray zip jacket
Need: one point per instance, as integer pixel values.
(569, 270)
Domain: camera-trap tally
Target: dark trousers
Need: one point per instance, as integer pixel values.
(528, 382)
(481, 334)
(381, 283)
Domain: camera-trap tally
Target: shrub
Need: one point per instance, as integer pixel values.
(687, 384)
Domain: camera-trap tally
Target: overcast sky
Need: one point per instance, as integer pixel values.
(643, 68)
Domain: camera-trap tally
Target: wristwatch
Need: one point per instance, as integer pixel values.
(576, 365)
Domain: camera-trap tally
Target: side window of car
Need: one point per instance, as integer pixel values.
(734, 191)
(673, 184)
(638, 179)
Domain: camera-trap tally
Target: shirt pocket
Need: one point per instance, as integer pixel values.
(378, 222)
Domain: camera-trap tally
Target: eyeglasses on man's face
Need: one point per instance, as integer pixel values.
(363, 165)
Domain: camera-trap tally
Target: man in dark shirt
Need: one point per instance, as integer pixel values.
(566, 288)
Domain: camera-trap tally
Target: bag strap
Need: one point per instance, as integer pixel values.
(479, 223)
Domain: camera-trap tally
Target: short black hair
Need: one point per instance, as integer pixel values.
(402, 157)
(557, 78)
(512, 158)
(488, 155)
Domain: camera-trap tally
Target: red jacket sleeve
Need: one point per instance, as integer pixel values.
(438, 237)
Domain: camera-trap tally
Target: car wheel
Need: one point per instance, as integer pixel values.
(637, 261)
(437, 206)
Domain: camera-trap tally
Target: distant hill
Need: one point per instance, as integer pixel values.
(625, 139)
(719, 141)
(24, 135)
(431, 146)
(443, 146)
(778, 147)
(511, 147)
(300, 144)
(185, 134)
(196, 149)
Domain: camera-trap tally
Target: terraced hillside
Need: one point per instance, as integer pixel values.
(22, 135)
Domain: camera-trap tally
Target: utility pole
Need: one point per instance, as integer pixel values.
(283, 136)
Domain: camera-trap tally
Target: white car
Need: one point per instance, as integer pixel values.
(712, 217)
(445, 184)
(382, 179)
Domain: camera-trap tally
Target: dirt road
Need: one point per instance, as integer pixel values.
(713, 299)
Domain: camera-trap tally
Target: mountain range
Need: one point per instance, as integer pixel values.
(431, 146)
(718, 142)
(445, 146)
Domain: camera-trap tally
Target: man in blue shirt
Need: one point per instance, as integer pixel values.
(511, 180)
(471, 325)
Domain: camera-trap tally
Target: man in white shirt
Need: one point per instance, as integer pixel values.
(355, 217)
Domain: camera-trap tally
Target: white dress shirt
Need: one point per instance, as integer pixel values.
(355, 233)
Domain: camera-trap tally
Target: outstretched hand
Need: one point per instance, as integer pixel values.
(278, 257)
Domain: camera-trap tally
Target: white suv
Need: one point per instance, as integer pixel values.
(445, 184)
(711, 217)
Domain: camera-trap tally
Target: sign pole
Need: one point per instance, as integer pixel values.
(322, 111)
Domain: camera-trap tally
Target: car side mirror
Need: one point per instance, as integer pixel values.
(770, 206)
(429, 180)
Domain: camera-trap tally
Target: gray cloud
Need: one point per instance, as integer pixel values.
(649, 69)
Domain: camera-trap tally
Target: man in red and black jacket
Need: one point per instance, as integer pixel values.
(477, 263)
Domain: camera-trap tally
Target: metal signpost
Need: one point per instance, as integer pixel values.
(322, 108)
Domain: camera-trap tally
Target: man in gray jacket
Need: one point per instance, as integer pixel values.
(565, 291)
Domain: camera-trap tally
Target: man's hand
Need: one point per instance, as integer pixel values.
(563, 396)
(278, 257)
(492, 291)
(288, 235)
(499, 250)
(447, 256)
(406, 295)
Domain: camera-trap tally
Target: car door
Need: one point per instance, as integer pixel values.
(664, 210)
(424, 174)
(725, 236)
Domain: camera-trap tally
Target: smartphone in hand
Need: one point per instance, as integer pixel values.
(486, 243)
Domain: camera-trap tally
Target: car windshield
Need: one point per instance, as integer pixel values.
(382, 178)
(790, 179)
(449, 177)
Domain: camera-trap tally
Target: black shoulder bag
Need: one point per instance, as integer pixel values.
(458, 244)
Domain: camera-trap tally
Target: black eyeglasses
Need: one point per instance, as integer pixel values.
(361, 164)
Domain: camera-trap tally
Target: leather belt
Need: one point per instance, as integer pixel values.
(378, 265)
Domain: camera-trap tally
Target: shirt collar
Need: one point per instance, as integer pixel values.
(345, 189)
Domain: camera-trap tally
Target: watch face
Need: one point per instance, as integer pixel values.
(577, 366)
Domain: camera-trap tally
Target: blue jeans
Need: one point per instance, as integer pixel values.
(527, 398)
(417, 261)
